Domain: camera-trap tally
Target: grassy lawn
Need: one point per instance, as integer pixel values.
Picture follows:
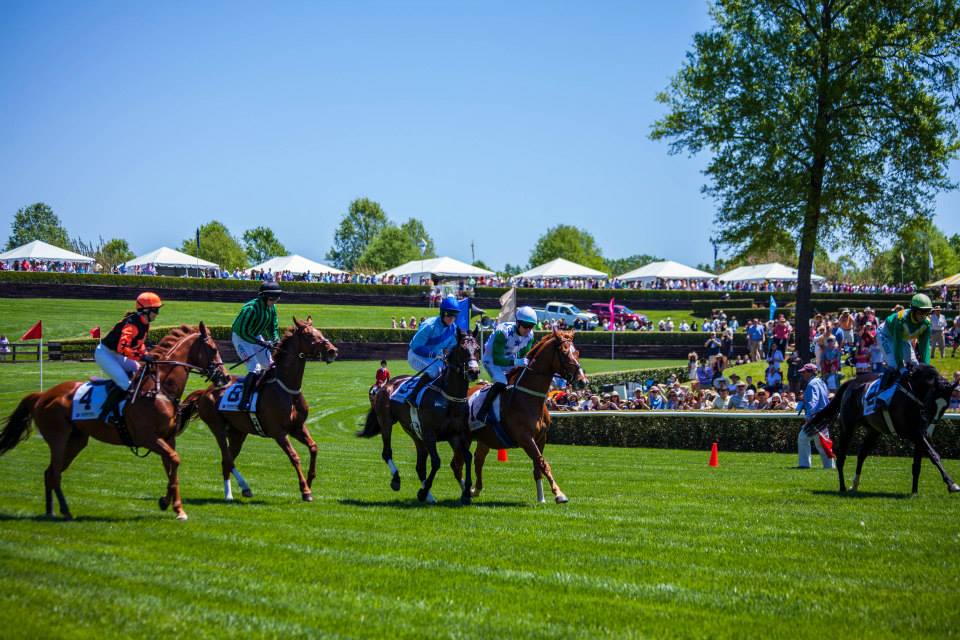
(64, 318)
(653, 543)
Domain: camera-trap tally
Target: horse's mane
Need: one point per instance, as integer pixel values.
(172, 338)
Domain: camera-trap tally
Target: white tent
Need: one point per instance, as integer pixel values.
(950, 281)
(40, 250)
(295, 264)
(560, 268)
(169, 260)
(763, 272)
(665, 270)
(435, 268)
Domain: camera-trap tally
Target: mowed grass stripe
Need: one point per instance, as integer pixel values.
(653, 543)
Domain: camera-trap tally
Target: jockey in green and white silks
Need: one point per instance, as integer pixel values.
(506, 348)
(896, 334)
(255, 331)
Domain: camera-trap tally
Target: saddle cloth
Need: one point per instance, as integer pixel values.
(493, 418)
(872, 394)
(89, 397)
(402, 393)
(230, 400)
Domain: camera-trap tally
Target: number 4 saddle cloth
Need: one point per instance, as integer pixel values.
(89, 397)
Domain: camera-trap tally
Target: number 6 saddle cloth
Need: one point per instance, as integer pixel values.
(230, 400)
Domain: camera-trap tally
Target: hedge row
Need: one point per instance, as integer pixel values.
(697, 432)
(658, 374)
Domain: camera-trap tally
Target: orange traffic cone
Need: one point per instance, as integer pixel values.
(713, 456)
(501, 455)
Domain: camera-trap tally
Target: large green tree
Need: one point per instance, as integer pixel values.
(620, 266)
(37, 222)
(217, 245)
(261, 244)
(918, 243)
(417, 232)
(391, 247)
(360, 225)
(113, 252)
(833, 120)
(565, 241)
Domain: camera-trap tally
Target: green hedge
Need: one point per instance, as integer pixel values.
(659, 374)
(697, 432)
(704, 308)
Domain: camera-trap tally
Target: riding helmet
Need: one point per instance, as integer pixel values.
(148, 300)
(449, 305)
(527, 316)
(270, 290)
(921, 301)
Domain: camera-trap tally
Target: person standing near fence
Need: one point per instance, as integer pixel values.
(938, 325)
(815, 398)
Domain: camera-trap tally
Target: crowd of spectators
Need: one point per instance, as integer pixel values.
(47, 266)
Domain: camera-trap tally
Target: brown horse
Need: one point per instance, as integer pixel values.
(281, 409)
(523, 413)
(151, 415)
(442, 413)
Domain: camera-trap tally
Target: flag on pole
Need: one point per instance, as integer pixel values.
(463, 318)
(902, 259)
(930, 253)
(612, 324)
(95, 333)
(34, 333)
(198, 241)
(508, 305)
(773, 307)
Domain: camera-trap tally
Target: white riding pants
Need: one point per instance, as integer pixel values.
(119, 368)
(258, 359)
(804, 452)
(497, 373)
(888, 345)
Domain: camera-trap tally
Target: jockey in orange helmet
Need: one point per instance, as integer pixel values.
(119, 353)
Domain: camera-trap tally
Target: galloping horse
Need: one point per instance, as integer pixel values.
(151, 415)
(281, 409)
(920, 401)
(442, 412)
(523, 412)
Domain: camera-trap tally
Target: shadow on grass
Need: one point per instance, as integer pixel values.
(413, 503)
(215, 501)
(7, 517)
(862, 495)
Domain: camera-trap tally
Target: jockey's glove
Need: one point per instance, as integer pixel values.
(520, 362)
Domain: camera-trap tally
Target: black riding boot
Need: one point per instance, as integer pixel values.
(113, 399)
(890, 377)
(248, 385)
(495, 390)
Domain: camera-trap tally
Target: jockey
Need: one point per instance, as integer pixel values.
(506, 348)
(119, 353)
(896, 334)
(434, 337)
(255, 332)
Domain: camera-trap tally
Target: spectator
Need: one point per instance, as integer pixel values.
(755, 335)
(726, 343)
(712, 345)
(749, 400)
(704, 374)
(955, 333)
(938, 326)
(413, 322)
(655, 399)
(639, 400)
(692, 366)
(4, 347)
(739, 399)
(815, 398)
(781, 335)
(722, 399)
(383, 374)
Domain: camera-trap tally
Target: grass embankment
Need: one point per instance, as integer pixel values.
(653, 543)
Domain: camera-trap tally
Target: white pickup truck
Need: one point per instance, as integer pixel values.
(570, 314)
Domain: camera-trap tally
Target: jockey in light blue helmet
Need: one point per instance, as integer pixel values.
(435, 337)
(506, 348)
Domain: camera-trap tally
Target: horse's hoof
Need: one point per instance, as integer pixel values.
(164, 503)
(247, 493)
(430, 498)
(395, 482)
(465, 498)
(228, 498)
(182, 516)
(66, 515)
(562, 499)
(308, 497)
(422, 495)
(474, 492)
(953, 488)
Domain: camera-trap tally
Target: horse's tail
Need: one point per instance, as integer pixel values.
(18, 424)
(371, 427)
(188, 410)
(829, 413)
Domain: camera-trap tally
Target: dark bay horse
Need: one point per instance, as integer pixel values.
(442, 412)
(919, 403)
(523, 411)
(151, 416)
(281, 409)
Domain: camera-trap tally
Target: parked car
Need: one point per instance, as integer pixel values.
(570, 314)
(620, 313)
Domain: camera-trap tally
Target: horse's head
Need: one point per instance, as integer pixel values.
(202, 352)
(932, 389)
(309, 342)
(566, 359)
(464, 358)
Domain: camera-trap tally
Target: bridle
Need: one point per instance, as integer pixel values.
(565, 346)
(213, 372)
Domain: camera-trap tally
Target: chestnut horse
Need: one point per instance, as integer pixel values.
(281, 409)
(523, 412)
(151, 415)
(442, 412)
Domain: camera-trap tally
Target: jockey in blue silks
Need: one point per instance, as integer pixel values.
(433, 339)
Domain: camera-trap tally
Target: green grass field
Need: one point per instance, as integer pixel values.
(653, 543)
(64, 318)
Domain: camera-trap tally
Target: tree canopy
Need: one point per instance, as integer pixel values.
(414, 228)
(358, 227)
(391, 247)
(261, 244)
(37, 222)
(217, 245)
(620, 266)
(832, 121)
(572, 243)
(113, 252)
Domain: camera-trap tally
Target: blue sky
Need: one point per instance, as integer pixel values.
(489, 121)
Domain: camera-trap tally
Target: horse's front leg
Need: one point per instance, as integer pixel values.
(869, 442)
(171, 463)
(284, 444)
(952, 486)
(430, 443)
(478, 459)
(528, 444)
(422, 471)
(303, 435)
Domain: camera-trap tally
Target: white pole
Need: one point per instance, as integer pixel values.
(41, 363)
(612, 334)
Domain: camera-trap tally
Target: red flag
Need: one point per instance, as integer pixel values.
(95, 333)
(612, 324)
(34, 333)
(827, 444)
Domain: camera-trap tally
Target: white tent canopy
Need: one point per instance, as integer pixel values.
(665, 270)
(295, 264)
(763, 272)
(170, 258)
(561, 268)
(40, 250)
(443, 267)
(950, 281)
